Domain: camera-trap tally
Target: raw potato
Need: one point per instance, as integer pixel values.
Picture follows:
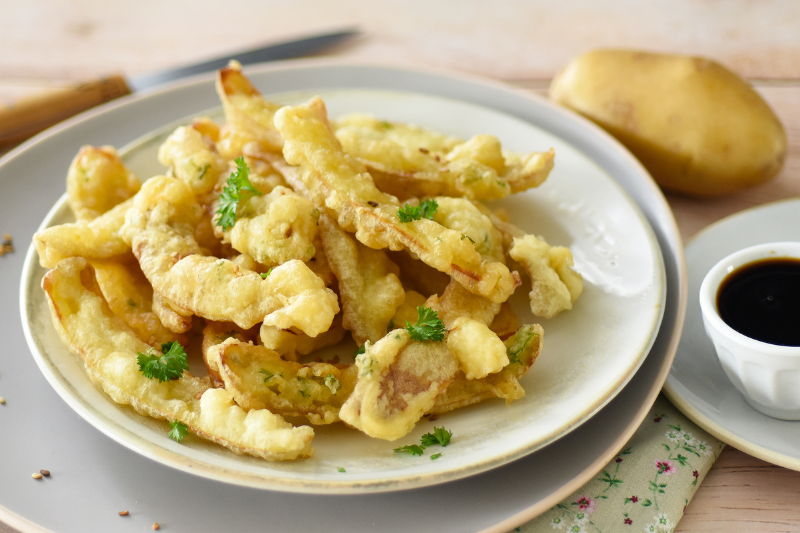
(697, 127)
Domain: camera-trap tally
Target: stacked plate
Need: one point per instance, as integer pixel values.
(603, 364)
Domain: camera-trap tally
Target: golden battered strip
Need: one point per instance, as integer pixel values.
(337, 182)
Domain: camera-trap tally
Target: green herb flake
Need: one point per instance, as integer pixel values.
(429, 326)
(341, 469)
(178, 430)
(424, 210)
(238, 183)
(413, 449)
(165, 367)
(435, 456)
(440, 436)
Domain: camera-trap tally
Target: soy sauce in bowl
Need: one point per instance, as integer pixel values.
(762, 301)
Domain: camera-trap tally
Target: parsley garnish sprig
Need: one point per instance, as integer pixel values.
(426, 209)
(179, 430)
(439, 437)
(429, 326)
(238, 183)
(165, 367)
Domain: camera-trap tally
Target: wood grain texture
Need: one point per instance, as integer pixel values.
(51, 43)
(742, 493)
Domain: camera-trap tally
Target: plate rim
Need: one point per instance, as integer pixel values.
(666, 231)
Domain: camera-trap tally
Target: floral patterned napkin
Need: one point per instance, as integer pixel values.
(646, 487)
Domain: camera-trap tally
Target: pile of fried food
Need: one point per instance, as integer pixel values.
(281, 232)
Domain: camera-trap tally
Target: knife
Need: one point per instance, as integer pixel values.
(27, 117)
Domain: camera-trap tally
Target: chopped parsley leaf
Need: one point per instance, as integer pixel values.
(179, 430)
(424, 210)
(429, 326)
(413, 449)
(238, 183)
(165, 367)
(439, 436)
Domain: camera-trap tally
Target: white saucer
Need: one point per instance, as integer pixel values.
(697, 384)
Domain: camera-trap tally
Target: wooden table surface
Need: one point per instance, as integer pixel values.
(45, 44)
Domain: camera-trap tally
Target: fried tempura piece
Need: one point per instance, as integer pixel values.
(369, 289)
(193, 158)
(457, 302)
(130, 297)
(416, 275)
(274, 228)
(337, 182)
(109, 352)
(399, 378)
(506, 321)
(96, 239)
(398, 381)
(258, 378)
(407, 312)
(290, 345)
(216, 333)
(97, 180)
(555, 285)
(408, 161)
(522, 349)
(248, 116)
(478, 349)
(174, 318)
(159, 228)
(459, 214)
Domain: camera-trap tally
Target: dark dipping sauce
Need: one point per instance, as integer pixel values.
(762, 301)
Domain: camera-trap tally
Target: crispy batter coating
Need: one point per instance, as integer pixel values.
(248, 116)
(193, 158)
(96, 239)
(408, 161)
(159, 228)
(97, 180)
(555, 285)
(522, 348)
(398, 381)
(216, 333)
(274, 228)
(130, 297)
(109, 352)
(369, 289)
(399, 378)
(478, 350)
(335, 181)
(459, 214)
(258, 378)
(290, 344)
(174, 318)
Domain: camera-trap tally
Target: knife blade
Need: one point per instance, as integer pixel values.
(25, 118)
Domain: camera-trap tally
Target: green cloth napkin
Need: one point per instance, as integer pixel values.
(648, 484)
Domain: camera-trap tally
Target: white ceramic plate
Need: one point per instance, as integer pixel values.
(32, 180)
(590, 352)
(697, 385)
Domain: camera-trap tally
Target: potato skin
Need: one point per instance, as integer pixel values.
(697, 127)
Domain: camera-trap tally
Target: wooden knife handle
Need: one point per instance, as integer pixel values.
(29, 116)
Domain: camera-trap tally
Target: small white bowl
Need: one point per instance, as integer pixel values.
(767, 375)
